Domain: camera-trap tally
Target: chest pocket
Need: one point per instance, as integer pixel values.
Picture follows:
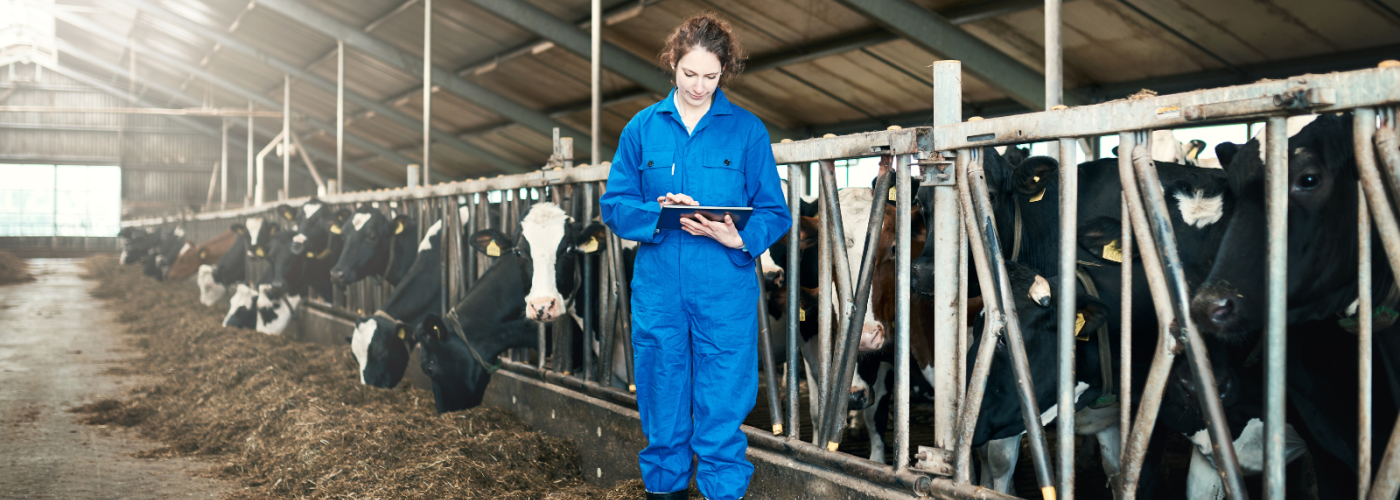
(655, 169)
(720, 179)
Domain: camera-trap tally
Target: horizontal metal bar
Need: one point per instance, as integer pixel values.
(884, 142)
(1368, 87)
(101, 128)
(142, 111)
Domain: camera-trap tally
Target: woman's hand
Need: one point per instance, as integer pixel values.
(721, 231)
(676, 199)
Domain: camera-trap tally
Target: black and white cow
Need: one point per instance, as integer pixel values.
(135, 242)
(375, 246)
(417, 295)
(214, 280)
(242, 308)
(257, 233)
(320, 240)
(282, 286)
(158, 259)
(1321, 287)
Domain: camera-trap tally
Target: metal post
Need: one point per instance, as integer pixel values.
(948, 247)
(595, 78)
(286, 137)
(625, 307)
(1276, 258)
(1364, 341)
(824, 302)
(223, 164)
(794, 307)
(340, 116)
(765, 346)
(607, 315)
(428, 107)
(1387, 481)
(1054, 75)
(841, 268)
(903, 246)
(248, 150)
(1067, 295)
(588, 290)
(1125, 363)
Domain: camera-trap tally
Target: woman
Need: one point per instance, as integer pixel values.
(694, 291)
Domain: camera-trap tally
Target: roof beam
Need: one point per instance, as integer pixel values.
(104, 87)
(413, 65)
(935, 34)
(251, 95)
(228, 41)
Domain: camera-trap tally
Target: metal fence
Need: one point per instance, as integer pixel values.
(946, 159)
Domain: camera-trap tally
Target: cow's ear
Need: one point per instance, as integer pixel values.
(203, 254)
(1102, 237)
(1032, 175)
(238, 229)
(272, 229)
(405, 333)
(286, 212)
(432, 328)
(1092, 314)
(490, 242)
(592, 238)
(1225, 152)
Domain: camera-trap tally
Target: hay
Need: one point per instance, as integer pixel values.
(287, 419)
(13, 269)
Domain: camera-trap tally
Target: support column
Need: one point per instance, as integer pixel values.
(428, 95)
(595, 74)
(339, 117)
(286, 137)
(223, 164)
(248, 188)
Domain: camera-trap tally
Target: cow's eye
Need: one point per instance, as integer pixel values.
(1307, 182)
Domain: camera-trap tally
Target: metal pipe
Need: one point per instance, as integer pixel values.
(444, 252)
(428, 105)
(595, 79)
(825, 296)
(607, 314)
(849, 343)
(903, 247)
(1068, 292)
(1054, 80)
(286, 138)
(587, 290)
(977, 382)
(1222, 443)
(223, 164)
(1388, 149)
(1125, 333)
(765, 351)
(1364, 123)
(1276, 184)
(310, 166)
(793, 297)
(248, 151)
(840, 267)
(1364, 343)
(949, 286)
(339, 116)
(624, 307)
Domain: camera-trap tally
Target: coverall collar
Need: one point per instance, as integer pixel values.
(719, 106)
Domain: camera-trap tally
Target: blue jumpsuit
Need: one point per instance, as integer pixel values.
(694, 317)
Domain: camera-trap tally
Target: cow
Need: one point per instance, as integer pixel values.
(242, 308)
(1321, 287)
(320, 239)
(135, 242)
(282, 285)
(229, 270)
(375, 245)
(158, 259)
(208, 253)
(257, 233)
(418, 295)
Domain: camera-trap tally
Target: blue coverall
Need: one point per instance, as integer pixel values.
(694, 317)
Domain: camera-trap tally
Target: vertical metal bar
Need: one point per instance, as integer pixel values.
(963, 280)
(1125, 363)
(903, 246)
(977, 383)
(1067, 295)
(765, 346)
(444, 252)
(1276, 258)
(339, 116)
(825, 295)
(1364, 341)
(223, 164)
(949, 348)
(841, 268)
(793, 297)
(286, 137)
(541, 351)
(428, 100)
(624, 302)
(607, 314)
(248, 188)
(1387, 481)
(595, 79)
(588, 289)
(1054, 72)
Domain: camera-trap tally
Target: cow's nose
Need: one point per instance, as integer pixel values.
(859, 399)
(872, 337)
(921, 278)
(1214, 309)
(338, 276)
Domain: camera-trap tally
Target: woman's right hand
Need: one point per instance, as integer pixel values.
(676, 199)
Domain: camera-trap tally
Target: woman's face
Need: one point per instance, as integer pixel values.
(697, 75)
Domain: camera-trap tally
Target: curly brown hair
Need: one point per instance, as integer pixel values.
(708, 31)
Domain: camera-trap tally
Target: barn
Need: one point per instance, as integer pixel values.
(868, 249)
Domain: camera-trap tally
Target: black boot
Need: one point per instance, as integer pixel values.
(675, 495)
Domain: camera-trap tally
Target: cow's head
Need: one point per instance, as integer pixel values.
(257, 234)
(883, 289)
(381, 346)
(186, 262)
(210, 291)
(999, 174)
(242, 308)
(368, 236)
(1322, 242)
(459, 379)
(548, 246)
(288, 265)
(231, 265)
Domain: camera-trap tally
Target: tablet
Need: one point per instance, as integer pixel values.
(671, 215)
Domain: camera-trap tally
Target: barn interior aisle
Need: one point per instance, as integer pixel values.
(57, 346)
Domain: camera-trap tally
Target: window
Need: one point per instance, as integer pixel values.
(37, 200)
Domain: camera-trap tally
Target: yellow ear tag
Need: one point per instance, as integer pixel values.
(203, 255)
(1113, 251)
(310, 255)
(802, 315)
(1079, 325)
(335, 228)
(399, 229)
(1038, 196)
(893, 192)
(401, 333)
(492, 250)
(260, 252)
(591, 246)
(288, 215)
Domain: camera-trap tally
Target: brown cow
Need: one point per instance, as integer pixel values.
(191, 257)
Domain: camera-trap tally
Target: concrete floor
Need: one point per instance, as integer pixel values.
(55, 344)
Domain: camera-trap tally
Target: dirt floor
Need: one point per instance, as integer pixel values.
(177, 406)
(13, 269)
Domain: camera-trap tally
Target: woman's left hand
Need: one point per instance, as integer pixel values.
(721, 231)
